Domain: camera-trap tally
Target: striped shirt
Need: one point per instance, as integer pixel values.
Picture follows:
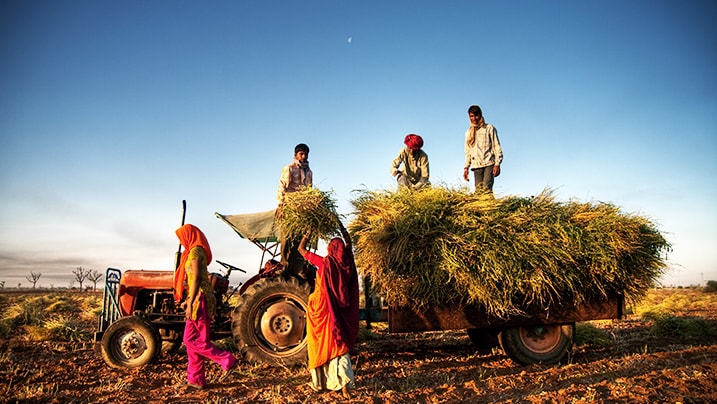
(486, 151)
(293, 178)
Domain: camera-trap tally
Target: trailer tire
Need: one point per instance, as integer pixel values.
(547, 344)
(130, 342)
(269, 322)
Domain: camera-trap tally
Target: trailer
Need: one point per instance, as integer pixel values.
(140, 318)
(540, 335)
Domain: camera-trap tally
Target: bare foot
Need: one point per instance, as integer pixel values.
(345, 392)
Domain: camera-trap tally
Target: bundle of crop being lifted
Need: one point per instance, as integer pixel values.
(442, 246)
(309, 209)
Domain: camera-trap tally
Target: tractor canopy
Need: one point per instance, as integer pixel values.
(259, 228)
(253, 226)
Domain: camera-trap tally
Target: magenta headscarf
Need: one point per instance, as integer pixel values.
(341, 281)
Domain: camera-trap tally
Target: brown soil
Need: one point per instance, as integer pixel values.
(444, 367)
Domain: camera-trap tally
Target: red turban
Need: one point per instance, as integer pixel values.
(413, 142)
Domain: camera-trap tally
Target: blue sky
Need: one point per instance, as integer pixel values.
(112, 113)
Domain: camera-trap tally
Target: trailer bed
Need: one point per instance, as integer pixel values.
(406, 319)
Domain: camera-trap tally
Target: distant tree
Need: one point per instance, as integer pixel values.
(94, 277)
(80, 275)
(33, 278)
(710, 287)
(2, 285)
(19, 285)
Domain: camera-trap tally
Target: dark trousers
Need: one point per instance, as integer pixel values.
(483, 177)
(291, 259)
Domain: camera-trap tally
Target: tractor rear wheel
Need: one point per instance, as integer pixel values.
(130, 342)
(269, 322)
(548, 344)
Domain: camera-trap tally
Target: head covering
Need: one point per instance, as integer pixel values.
(413, 141)
(342, 284)
(189, 236)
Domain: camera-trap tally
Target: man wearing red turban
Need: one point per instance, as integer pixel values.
(414, 160)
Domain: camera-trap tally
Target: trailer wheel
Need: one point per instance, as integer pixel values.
(484, 338)
(547, 344)
(269, 322)
(130, 342)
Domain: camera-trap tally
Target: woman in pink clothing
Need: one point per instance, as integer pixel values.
(199, 307)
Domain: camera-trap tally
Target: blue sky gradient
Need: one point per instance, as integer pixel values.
(112, 113)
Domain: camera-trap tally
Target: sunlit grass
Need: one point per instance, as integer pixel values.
(49, 317)
(453, 246)
(23, 312)
(670, 301)
(587, 333)
(668, 325)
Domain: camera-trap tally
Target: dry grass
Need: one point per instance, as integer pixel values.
(440, 245)
(310, 209)
(665, 301)
(626, 361)
(48, 317)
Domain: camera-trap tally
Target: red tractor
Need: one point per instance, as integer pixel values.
(140, 318)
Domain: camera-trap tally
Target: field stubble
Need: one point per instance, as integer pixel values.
(630, 360)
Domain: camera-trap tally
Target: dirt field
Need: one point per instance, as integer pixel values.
(635, 364)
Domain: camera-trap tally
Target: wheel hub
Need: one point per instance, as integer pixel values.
(282, 324)
(540, 339)
(132, 345)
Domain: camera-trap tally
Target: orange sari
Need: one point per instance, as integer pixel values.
(332, 315)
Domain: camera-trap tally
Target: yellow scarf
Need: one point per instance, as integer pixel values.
(471, 141)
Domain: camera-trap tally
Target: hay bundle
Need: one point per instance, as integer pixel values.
(309, 209)
(442, 246)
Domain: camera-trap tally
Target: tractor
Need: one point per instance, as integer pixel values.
(140, 318)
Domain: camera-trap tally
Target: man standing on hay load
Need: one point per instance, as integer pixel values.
(483, 152)
(294, 177)
(415, 164)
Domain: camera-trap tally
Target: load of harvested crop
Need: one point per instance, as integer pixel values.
(309, 209)
(445, 246)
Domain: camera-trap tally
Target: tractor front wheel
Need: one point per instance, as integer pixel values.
(130, 342)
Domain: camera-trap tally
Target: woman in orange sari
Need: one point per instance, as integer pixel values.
(199, 307)
(332, 315)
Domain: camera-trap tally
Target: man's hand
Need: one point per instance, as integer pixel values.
(465, 173)
(496, 170)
